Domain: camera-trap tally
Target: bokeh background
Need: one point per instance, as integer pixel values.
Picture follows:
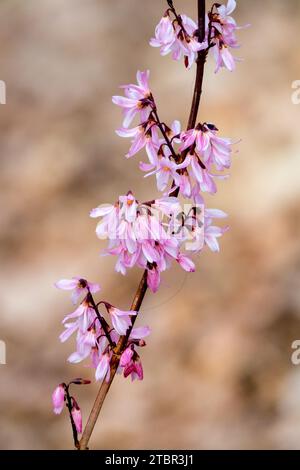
(218, 371)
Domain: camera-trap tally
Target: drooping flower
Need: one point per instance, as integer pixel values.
(214, 150)
(178, 38)
(85, 317)
(126, 356)
(128, 207)
(85, 342)
(58, 399)
(186, 263)
(153, 278)
(78, 285)
(223, 28)
(134, 368)
(138, 99)
(143, 136)
(223, 56)
(211, 232)
(77, 417)
(103, 368)
(165, 171)
(164, 35)
(121, 320)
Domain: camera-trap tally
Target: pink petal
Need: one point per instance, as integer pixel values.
(124, 102)
(101, 211)
(66, 284)
(140, 332)
(186, 263)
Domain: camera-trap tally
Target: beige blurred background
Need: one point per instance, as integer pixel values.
(218, 371)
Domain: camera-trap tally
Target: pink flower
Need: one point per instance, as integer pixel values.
(225, 24)
(139, 332)
(126, 356)
(144, 135)
(178, 39)
(109, 224)
(153, 278)
(213, 149)
(195, 138)
(84, 315)
(103, 368)
(223, 56)
(167, 205)
(164, 35)
(120, 318)
(226, 10)
(186, 263)
(138, 99)
(188, 41)
(58, 399)
(202, 176)
(136, 337)
(78, 285)
(128, 207)
(130, 360)
(224, 28)
(139, 234)
(134, 368)
(212, 233)
(185, 185)
(86, 341)
(77, 418)
(166, 170)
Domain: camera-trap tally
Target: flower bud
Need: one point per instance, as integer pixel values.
(58, 399)
(77, 418)
(80, 381)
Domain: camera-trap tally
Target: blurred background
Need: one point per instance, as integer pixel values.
(218, 370)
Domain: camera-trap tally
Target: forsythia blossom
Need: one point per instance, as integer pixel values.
(178, 35)
(58, 399)
(138, 235)
(93, 337)
(152, 235)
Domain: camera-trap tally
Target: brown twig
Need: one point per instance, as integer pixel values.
(103, 323)
(142, 288)
(69, 405)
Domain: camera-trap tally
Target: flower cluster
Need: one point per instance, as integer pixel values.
(202, 149)
(179, 36)
(94, 337)
(139, 234)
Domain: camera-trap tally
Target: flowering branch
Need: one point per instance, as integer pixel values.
(142, 288)
(154, 233)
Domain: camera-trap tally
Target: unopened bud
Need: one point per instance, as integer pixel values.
(80, 381)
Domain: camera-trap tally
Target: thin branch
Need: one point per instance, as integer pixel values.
(165, 136)
(70, 406)
(136, 305)
(103, 323)
(142, 288)
(200, 67)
